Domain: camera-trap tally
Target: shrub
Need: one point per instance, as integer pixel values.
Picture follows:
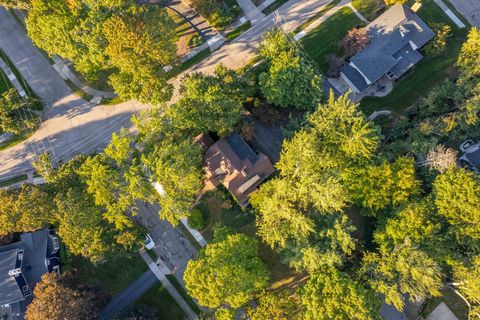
(197, 219)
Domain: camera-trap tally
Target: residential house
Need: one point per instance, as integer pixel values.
(471, 155)
(233, 163)
(22, 265)
(395, 38)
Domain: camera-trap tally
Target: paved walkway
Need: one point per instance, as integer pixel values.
(128, 296)
(470, 9)
(170, 245)
(251, 11)
(12, 78)
(66, 73)
(450, 13)
(169, 287)
(323, 18)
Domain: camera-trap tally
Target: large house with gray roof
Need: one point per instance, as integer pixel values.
(395, 38)
(22, 265)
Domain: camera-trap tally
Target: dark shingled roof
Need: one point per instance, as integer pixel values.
(390, 35)
(241, 148)
(355, 77)
(10, 292)
(474, 158)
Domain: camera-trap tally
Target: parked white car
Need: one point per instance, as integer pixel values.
(149, 244)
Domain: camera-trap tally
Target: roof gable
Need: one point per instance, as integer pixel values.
(389, 33)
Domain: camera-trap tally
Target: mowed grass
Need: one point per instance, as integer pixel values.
(159, 299)
(113, 275)
(325, 39)
(427, 73)
(368, 8)
(452, 300)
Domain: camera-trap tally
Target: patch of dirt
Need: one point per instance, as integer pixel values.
(182, 46)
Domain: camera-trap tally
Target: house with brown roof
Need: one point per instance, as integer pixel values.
(234, 164)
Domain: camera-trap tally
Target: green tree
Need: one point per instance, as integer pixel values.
(55, 300)
(24, 210)
(392, 2)
(207, 103)
(116, 180)
(15, 115)
(80, 222)
(330, 294)
(457, 197)
(132, 43)
(15, 4)
(290, 81)
(380, 186)
(467, 281)
(278, 305)
(177, 167)
(415, 222)
(403, 270)
(139, 44)
(468, 58)
(228, 272)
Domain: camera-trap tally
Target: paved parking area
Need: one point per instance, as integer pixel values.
(470, 9)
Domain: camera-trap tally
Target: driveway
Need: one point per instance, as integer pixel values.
(470, 9)
(170, 245)
(128, 296)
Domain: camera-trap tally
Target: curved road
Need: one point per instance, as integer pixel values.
(72, 125)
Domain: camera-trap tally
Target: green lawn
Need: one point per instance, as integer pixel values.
(221, 209)
(317, 15)
(183, 293)
(325, 39)
(427, 73)
(452, 300)
(235, 33)
(159, 299)
(113, 276)
(368, 8)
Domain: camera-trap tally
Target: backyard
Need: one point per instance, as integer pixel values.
(325, 39)
(427, 73)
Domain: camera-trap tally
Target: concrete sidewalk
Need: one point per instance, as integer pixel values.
(169, 286)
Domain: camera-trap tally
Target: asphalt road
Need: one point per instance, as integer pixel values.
(470, 9)
(73, 126)
(128, 296)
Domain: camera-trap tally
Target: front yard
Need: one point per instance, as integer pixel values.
(325, 39)
(427, 73)
(370, 9)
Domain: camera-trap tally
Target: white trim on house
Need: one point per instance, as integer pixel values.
(364, 76)
(413, 45)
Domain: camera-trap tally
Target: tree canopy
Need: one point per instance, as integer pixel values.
(130, 42)
(15, 112)
(53, 299)
(330, 294)
(228, 272)
(291, 80)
